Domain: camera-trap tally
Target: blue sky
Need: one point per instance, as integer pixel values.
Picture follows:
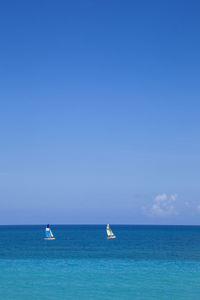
(99, 112)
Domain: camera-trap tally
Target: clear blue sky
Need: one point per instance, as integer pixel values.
(100, 112)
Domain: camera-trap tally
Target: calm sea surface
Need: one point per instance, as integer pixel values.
(144, 262)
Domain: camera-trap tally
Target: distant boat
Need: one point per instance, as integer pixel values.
(109, 232)
(48, 234)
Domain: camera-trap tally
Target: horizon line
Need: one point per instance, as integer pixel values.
(99, 224)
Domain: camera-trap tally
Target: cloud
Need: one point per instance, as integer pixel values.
(163, 205)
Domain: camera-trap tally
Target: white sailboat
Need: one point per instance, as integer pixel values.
(48, 234)
(109, 232)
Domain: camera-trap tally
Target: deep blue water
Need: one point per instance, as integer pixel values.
(143, 262)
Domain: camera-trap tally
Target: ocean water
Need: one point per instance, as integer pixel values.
(143, 262)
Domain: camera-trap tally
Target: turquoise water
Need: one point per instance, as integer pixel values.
(144, 262)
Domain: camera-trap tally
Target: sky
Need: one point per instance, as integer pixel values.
(100, 112)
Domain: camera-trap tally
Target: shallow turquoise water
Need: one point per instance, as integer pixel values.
(144, 262)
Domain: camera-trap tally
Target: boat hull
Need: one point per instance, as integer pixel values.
(49, 239)
(111, 237)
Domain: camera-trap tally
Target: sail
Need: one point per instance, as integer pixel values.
(109, 231)
(51, 234)
(47, 233)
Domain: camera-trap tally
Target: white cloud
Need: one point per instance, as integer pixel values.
(173, 197)
(160, 198)
(163, 205)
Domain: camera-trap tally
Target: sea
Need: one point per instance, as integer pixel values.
(142, 263)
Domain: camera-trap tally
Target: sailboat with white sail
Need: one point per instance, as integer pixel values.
(109, 232)
(48, 234)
